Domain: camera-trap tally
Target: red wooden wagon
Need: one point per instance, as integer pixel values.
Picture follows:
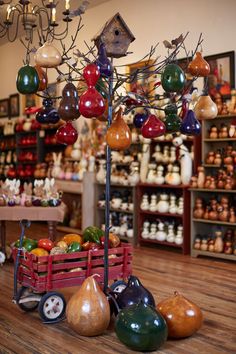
(40, 277)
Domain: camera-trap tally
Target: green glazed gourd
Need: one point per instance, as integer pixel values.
(172, 120)
(141, 327)
(173, 78)
(27, 81)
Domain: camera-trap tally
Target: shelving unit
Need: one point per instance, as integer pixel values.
(100, 211)
(183, 219)
(83, 191)
(203, 226)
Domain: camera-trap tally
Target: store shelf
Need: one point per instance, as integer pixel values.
(216, 222)
(148, 212)
(117, 210)
(228, 116)
(170, 186)
(26, 146)
(213, 190)
(164, 243)
(68, 229)
(208, 140)
(70, 186)
(116, 185)
(196, 253)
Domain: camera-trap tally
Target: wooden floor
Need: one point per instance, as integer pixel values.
(209, 283)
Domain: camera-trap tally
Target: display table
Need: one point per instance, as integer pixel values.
(52, 215)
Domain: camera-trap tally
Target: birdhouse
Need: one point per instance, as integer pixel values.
(116, 37)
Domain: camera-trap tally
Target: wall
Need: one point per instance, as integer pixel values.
(151, 21)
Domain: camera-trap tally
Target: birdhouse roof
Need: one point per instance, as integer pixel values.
(107, 24)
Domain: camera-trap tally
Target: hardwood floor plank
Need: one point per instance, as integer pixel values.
(209, 283)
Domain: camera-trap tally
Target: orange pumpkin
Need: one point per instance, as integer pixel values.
(39, 252)
(70, 238)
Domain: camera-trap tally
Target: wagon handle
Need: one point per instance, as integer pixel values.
(24, 223)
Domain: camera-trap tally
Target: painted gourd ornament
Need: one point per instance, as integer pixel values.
(140, 118)
(190, 125)
(141, 327)
(134, 293)
(118, 135)
(172, 120)
(47, 114)
(103, 63)
(27, 81)
(205, 108)
(173, 78)
(48, 56)
(199, 66)
(153, 127)
(88, 310)
(66, 134)
(182, 316)
(43, 78)
(91, 102)
(69, 104)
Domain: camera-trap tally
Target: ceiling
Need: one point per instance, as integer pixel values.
(74, 4)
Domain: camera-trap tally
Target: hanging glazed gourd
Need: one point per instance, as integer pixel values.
(199, 66)
(134, 293)
(140, 118)
(48, 56)
(103, 63)
(183, 317)
(153, 127)
(66, 134)
(69, 104)
(43, 78)
(141, 327)
(172, 120)
(190, 125)
(118, 135)
(205, 108)
(88, 311)
(47, 114)
(173, 78)
(27, 81)
(91, 102)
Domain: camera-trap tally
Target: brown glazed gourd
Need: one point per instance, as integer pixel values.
(118, 134)
(43, 78)
(88, 310)
(183, 317)
(199, 66)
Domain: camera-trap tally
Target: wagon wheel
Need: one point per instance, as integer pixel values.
(29, 305)
(52, 307)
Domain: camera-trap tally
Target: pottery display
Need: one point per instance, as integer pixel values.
(134, 293)
(199, 66)
(103, 63)
(27, 81)
(88, 310)
(48, 56)
(67, 134)
(153, 127)
(190, 125)
(182, 316)
(91, 103)
(47, 114)
(173, 78)
(69, 104)
(118, 135)
(43, 79)
(141, 327)
(205, 108)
